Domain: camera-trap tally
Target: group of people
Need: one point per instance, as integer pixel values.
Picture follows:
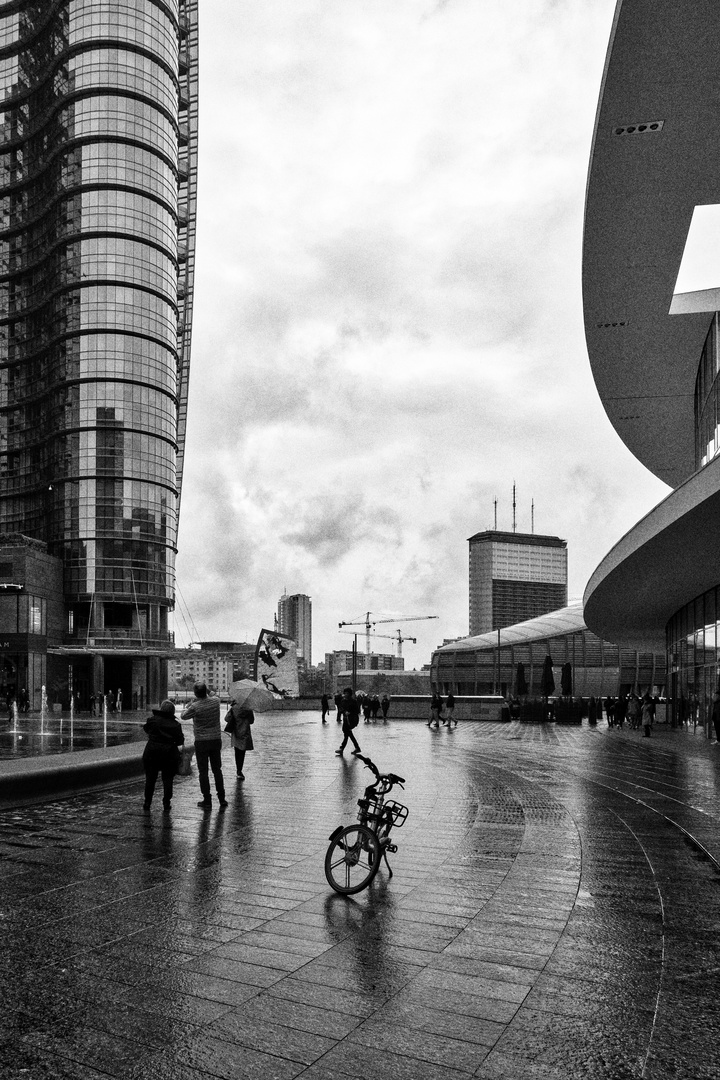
(370, 706)
(166, 738)
(436, 711)
(638, 711)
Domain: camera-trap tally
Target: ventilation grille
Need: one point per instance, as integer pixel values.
(648, 128)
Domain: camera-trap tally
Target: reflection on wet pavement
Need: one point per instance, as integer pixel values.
(552, 914)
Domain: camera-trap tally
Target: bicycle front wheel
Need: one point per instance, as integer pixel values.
(352, 860)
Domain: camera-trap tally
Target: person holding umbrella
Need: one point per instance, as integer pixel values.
(245, 696)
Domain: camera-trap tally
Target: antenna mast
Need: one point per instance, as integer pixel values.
(513, 507)
(495, 502)
(532, 516)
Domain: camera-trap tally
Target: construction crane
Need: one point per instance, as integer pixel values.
(387, 637)
(369, 624)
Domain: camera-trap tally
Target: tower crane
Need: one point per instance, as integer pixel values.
(369, 624)
(387, 637)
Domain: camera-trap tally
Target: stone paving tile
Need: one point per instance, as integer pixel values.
(373, 1063)
(432, 1047)
(334, 999)
(317, 1021)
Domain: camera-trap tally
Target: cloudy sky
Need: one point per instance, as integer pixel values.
(388, 319)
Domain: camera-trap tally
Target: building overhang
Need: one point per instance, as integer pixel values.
(655, 156)
(649, 575)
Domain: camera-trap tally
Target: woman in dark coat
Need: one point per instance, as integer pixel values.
(161, 752)
(241, 737)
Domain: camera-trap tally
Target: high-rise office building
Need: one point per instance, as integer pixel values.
(294, 618)
(97, 227)
(514, 577)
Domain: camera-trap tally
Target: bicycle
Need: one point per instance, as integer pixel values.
(355, 851)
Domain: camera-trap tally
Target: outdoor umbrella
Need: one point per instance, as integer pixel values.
(248, 694)
(547, 681)
(566, 679)
(521, 681)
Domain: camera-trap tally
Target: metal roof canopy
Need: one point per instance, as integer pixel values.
(662, 66)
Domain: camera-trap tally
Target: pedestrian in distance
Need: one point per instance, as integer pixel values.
(435, 707)
(715, 714)
(375, 708)
(450, 711)
(160, 755)
(610, 711)
(350, 720)
(93, 710)
(110, 698)
(634, 711)
(338, 699)
(204, 712)
(648, 714)
(238, 722)
(366, 708)
(385, 706)
(325, 707)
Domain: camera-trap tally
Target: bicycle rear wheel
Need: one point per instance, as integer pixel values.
(352, 860)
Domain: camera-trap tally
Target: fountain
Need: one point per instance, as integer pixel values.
(14, 730)
(105, 718)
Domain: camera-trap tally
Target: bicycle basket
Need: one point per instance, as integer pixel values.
(398, 811)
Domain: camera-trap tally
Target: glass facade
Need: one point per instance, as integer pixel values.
(98, 122)
(707, 395)
(598, 667)
(693, 637)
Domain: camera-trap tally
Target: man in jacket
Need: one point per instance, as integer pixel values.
(204, 712)
(351, 718)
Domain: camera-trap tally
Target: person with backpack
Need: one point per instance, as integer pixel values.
(351, 719)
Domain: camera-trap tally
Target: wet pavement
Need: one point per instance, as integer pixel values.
(554, 912)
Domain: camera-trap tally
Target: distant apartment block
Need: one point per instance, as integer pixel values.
(514, 577)
(342, 660)
(294, 618)
(216, 663)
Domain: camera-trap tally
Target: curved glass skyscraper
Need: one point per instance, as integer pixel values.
(97, 225)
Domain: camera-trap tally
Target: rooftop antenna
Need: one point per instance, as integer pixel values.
(532, 516)
(513, 507)
(495, 501)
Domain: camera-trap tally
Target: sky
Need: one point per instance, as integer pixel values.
(388, 321)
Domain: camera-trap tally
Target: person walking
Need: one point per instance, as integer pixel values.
(350, 720)
(161, 752)
(241, 738)
(338, 699)
(325, 707)
(449, 710)
(592, 712)
(385, 706)
(435, 707)
(648, 714)
(715, 714)
(204, 712)
(634, 711)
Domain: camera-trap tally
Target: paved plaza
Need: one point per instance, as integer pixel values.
(554, 912)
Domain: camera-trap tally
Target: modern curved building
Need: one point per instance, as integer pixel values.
(98, 129)
(488, 663)
(654, 352)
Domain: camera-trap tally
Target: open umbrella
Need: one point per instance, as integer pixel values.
(248, 694)
(547, 680)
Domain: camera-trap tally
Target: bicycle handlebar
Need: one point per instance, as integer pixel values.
(393, 778)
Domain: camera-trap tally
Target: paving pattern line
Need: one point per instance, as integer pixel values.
(663, 940)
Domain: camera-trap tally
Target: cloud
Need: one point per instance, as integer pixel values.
(388, 320)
